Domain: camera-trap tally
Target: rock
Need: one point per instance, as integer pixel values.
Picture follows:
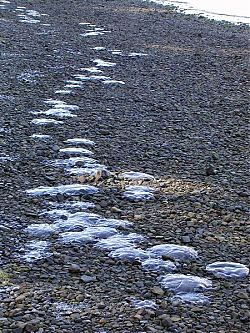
(74, 268)
(158, 291)
(186, 239)
(87, 278)
(166, 321)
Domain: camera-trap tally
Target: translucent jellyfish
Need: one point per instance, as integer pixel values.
(72, 189)
(158, 265)
(228, 270)
(138, 193)
(129, 254)
(133, 175)
(174, 251)
(180, 283)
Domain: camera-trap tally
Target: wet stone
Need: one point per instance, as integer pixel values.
(138, 193)
(180, 283)
(158, 265)
(132, 175)
(72, 189)
(174, 251)
(129, 254)
(228, 270)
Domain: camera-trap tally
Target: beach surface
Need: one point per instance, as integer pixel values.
(155, 92)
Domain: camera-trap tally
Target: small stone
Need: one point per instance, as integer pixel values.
(158, 291)
(138, 217)
(74, 268)
(88, 278)
(116, 210)
(175, 318)
(166, 320)
(186, 239)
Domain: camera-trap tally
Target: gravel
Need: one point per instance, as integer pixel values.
(181, 117)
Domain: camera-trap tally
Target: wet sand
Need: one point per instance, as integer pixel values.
(172, 103)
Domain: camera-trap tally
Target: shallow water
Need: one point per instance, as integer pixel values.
(228, 10)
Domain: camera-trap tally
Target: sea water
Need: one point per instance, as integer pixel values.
(227, 10)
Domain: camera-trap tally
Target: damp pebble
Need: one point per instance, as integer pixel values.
(129, 253)
(72, 189)
(228, 270)
(174, 251)
(133, 175)
(158, 265)
(138, 193)
(180, 283)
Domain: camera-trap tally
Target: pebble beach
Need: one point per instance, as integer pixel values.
(124, 180)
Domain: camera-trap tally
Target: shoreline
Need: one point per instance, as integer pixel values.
(181, 116)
